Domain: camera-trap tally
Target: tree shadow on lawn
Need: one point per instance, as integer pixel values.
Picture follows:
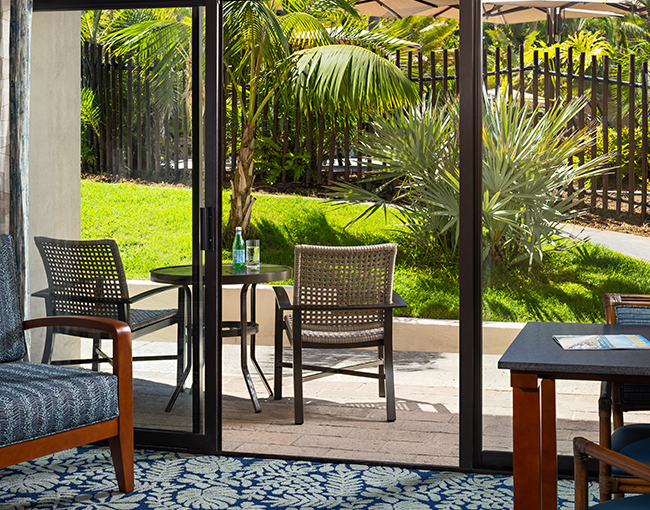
(277, 241)
(570, 295)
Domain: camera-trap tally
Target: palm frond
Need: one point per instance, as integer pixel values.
(352, 76)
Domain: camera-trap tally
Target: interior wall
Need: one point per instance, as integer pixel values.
(54, 147)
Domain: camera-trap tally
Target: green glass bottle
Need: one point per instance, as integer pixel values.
(238, 250)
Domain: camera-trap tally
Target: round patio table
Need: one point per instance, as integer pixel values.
(248, 279)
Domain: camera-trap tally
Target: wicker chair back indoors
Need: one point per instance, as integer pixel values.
(87, 278)
(342, 298)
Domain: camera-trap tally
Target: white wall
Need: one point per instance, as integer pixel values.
(54, 143)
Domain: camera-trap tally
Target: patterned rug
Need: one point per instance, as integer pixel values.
(83, 478)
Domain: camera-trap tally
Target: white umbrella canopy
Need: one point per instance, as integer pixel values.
(498, 11)
(402, 8)
(504, 11)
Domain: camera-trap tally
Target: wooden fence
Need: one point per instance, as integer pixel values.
(135, 140)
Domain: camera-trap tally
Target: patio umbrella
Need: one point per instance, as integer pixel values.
(504, 11)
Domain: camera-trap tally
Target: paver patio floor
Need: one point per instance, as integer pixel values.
(345, 419)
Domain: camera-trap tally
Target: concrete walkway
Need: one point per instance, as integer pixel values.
(627, 244)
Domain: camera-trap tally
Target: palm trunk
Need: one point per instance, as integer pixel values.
(241, 200)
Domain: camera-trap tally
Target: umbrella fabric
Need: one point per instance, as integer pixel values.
(499, 11)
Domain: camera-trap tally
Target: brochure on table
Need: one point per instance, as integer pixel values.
(595, 342)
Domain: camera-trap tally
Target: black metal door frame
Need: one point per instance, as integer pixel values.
(208, 438)
(206, 235)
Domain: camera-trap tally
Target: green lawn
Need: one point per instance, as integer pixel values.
(152, 225)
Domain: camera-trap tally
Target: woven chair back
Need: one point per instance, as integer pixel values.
(12, 339)
(346, 275)
(84, 277)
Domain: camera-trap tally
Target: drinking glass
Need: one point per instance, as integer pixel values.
(253, 254)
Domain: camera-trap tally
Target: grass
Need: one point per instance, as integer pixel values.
(152, 226)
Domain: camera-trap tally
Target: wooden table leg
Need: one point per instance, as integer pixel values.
(549, 446)
(526, 441)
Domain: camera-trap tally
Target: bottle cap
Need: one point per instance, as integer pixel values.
(237, 229)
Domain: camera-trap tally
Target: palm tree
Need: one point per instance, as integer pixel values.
(259, 52)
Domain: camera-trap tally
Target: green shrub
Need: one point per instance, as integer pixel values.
(526, 177)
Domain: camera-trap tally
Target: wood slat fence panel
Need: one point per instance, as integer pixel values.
(136, 140)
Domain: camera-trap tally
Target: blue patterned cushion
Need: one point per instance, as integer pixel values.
(634, 393)
(12, 340)
(632, 314)
(37, 400)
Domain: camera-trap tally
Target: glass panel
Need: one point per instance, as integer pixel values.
(534, 269)
(143, 132)
(344, 416)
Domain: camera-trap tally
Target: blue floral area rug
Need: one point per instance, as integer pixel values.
(83, 478)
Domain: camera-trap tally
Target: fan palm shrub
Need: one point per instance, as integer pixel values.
(530, 171)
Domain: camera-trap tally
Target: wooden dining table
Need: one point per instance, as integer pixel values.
(536, 361)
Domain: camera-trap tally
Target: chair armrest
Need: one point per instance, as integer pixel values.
(43, 293)
(398, 302)
(582, 450)
(119, 331)
(282, 298)
(151, 292)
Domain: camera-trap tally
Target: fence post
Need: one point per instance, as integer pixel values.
(644, 143)
(605, 123)
(619, 139)
(631, 151)
(594, 116)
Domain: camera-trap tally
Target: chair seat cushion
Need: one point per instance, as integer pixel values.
(142, 318)
(626, 503)
(632, 441)
(37, 400)
(366, 333)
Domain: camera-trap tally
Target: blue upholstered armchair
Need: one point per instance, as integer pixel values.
(45, 408)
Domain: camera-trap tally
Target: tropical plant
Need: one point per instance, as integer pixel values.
(321, 76)
(526, 175)
(90, 120)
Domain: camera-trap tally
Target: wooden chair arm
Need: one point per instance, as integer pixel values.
(582, 450)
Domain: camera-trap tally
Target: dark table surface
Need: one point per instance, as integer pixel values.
(534, 350)
(182, 275)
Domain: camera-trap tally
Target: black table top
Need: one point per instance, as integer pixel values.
(182, 275)
(535, 351)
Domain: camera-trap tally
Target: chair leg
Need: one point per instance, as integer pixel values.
(47, 349)
(97, 345)
(180, 342)
(277, 355)
(388, 367)
(122, 453)
(299, 417)
(382, 372)
(184, 339)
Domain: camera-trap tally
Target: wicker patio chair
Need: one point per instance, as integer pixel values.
(342, 299)
(87, 278)
(617, 398)
(582, 450)
(46, 409)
